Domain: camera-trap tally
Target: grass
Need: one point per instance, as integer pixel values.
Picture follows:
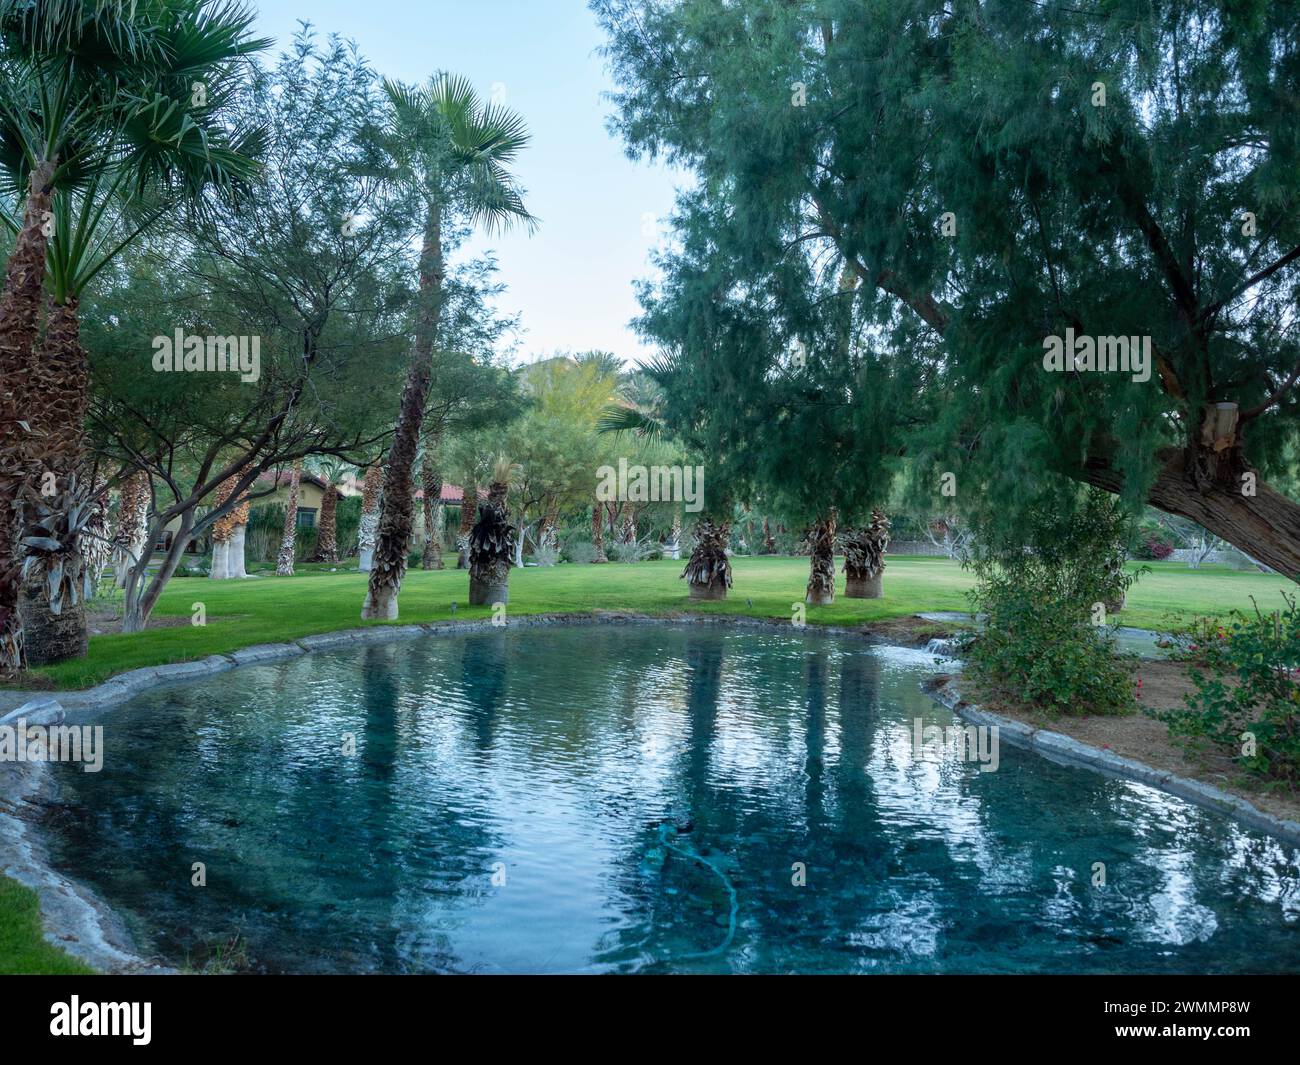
(272, 609)
(23, 949)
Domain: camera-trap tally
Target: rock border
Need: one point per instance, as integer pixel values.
(1059, 747)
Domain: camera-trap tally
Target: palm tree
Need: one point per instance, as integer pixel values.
(864, 558)
(452, 151)
(431, 481)
(468, 510)
(98, 108)
(289, 536)
(821, 551)
(370, 489)
(132, 535)
(492, 541)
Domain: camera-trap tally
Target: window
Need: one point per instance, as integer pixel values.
(306, 518)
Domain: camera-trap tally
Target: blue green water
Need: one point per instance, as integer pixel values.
(597, 799)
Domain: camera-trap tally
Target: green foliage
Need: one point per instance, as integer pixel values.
(1043, 595)
(1247, 698)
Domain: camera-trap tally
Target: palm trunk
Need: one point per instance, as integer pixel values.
(132, 524)
(673, 548)
(20, 306)
(432, 485)
(628, 535)
(327, 541)
(491, 547)
(289, 537)
(769, 542)
(57, 397)
(598, 530)
(821, 561)
(396, 518)
(864, 558)
(468, 506)
(366, 531)
(222, 530)
(708, 570)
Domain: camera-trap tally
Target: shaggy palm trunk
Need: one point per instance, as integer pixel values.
(58, 388)
(769, 541)
(598, 531)
(132, 525)
(468, 507)
(222, 530)
(327, 541)
(491, 550)
(96, 544)
(708, 570)
(547, 536)
(628, 535)
(432, 485)
(20, 306)
(864, 559)
(370, 490)
(289, 537)
(673, 547)
(396, 515)
(821, 560)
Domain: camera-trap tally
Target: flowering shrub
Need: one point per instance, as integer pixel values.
(1256, 717)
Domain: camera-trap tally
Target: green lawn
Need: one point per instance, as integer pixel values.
(23, 950)
(271, 609)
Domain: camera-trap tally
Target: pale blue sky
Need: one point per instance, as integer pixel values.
(572, 280)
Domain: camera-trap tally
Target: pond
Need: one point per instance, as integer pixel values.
(640, 798)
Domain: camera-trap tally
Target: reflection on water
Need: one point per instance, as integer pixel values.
(594, 799)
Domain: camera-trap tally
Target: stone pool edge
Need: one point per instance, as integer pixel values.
(1062, 748)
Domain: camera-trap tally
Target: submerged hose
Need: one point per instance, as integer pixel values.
(691, 855)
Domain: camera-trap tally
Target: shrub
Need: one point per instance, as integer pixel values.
(630, 552)
(546, 555)
(1257, 718)
(579, 551)
(1042, 643)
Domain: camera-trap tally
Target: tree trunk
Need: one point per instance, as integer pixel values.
(769, 543)
(222, 530)
(132, 524)
(491, 547)
(141, 598)
(327, 541)
(289, 536)
(864, 558)
(468, 507)
(821, 554)
(396, 517)
(51, 637)
(432, 485)
(1266, 526)
(57, 395)
(20, 306)
(598, 530)
(238, 534)
(708, 570)
(628, 535)
(673, 548)
(369, 526)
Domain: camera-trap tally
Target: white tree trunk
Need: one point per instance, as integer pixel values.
(366, 540)
(235, 559)
(220, 560)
